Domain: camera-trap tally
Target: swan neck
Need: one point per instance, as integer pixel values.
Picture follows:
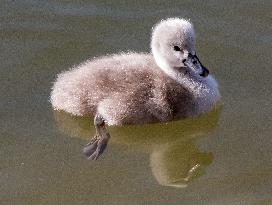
(186, 80)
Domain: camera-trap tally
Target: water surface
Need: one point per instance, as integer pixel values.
(228, 150)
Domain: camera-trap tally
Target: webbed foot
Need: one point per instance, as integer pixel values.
(95, 147)
(98, 143)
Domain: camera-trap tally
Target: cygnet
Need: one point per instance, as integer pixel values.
(134, 88)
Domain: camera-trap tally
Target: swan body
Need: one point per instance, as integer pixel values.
(134, 88)
(130, 89)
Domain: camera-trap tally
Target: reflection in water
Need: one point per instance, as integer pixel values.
(174, 157)
(178, 163)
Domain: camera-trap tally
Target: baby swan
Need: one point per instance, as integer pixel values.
(136, 88)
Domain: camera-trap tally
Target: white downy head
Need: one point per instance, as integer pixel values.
(173, 47)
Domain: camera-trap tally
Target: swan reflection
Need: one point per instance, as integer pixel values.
(175, 159)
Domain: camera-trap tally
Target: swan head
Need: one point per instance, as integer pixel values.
(173, 47)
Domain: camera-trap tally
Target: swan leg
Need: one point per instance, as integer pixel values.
(99, 142)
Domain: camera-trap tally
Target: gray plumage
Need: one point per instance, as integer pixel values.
(135, 88)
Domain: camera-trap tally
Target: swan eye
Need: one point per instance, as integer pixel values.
(176, 48)
(194, 62)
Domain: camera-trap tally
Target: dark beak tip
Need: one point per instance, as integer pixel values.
(205, 72)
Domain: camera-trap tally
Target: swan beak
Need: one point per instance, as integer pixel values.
(191, 61)
(205, 71)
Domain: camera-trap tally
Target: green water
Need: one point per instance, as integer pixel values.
(223, 157)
